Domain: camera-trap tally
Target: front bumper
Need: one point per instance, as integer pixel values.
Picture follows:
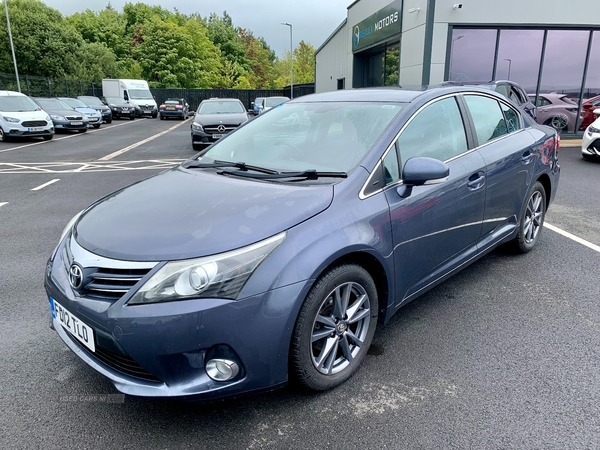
(160, 350)
(69, 124)
(203, 138)
(117, 113)
(25, 132)
(176, 113)
(590, 144)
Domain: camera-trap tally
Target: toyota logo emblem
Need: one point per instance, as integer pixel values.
(75, 276)
(221, 128)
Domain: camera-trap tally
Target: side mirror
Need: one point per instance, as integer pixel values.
(596, 111)
(422, 170)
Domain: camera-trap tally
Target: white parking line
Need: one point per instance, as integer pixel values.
(572, 237)
(137, 144)
(65, 137)
(42, 186)
(3, 203)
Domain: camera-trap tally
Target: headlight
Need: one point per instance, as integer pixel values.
(593, 130)
(197, 127)
(85, 117)
(217, 276)
(114, 108)
(11, 119)
(48, 119)
(56, 117)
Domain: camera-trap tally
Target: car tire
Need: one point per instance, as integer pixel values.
(131, 117)
(559, 122)
(197, 147)
(3, 136)
(154, 116)
(532, 221)
(325, 353)
(96, 126)
(109, 121)
(48, 138)
(82, 131)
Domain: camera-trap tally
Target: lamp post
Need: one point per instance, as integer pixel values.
(509, 64)
(291, 60)
(12, 47)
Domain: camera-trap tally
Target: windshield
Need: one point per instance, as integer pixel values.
(332, 136)
(52, 103)
(17, 103)
(115, 100)
(274, 101)
(73, 103)
(92, 101)
(218, 107)
(140, 94)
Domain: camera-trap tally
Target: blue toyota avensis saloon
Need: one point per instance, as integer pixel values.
(274, 253)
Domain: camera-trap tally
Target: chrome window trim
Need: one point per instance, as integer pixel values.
(363, 196)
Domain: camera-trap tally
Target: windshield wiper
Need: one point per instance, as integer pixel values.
(217, 164)
(310, 174)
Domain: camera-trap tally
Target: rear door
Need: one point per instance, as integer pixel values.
(507, 149)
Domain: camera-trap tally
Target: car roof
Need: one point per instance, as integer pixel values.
(12, 93)
(221, 100)
(394, 94)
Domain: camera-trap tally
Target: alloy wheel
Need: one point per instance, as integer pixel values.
(340, 328)
(559, 122)
(533, 217)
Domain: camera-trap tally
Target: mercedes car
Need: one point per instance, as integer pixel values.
(214, 119)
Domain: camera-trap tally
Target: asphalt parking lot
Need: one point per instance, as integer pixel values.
(503, 355)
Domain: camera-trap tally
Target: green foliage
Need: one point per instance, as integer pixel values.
(166, 48)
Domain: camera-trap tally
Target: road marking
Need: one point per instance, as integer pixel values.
(65, 137)
(137, 144)
(81, 167)
(42, 186)
(3, 203)
(572, 237)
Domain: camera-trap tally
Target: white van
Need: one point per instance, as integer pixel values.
(135, 92)
(22, 117)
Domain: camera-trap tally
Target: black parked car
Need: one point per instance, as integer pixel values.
(98, 105)
(121, 108)
(215, 118)
(509, 89)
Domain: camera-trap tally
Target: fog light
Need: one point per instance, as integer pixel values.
(222, 369)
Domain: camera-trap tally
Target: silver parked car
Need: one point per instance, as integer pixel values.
(556, 110)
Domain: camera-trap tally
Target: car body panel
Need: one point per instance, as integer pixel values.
(590, 143)
(28, 124)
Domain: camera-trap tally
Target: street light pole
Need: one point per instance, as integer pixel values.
(12, 47)
(509, 64)
(291, 60)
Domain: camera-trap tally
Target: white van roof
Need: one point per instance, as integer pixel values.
(15, 93)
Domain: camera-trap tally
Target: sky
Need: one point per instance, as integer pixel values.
(312, 20)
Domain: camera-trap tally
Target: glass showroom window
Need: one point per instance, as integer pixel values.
(591, 93)
(472, 54)
(519, 55)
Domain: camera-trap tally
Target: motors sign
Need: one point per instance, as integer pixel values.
(379, 26)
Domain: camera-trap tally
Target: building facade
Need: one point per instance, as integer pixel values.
(547, 46)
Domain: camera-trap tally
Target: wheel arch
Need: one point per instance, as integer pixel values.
(544, 179)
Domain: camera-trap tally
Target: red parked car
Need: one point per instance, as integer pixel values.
(587, 111)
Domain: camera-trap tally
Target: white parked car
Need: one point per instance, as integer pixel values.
(22, 117)
(590, 144)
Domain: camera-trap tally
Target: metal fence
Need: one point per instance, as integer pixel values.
(61, 87)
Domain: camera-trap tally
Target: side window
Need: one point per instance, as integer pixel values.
(437, 131)
(391, 168)
(487, 117)
(502, 89)
(513, 122)
(514, 96)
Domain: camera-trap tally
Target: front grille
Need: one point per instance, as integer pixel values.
(74, 118)
(215, 130)
(113, 283)
(35, 123)
(121, 363)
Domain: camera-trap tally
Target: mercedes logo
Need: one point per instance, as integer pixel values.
(221, 128)
(75, 276)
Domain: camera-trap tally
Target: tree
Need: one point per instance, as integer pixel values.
(304, 66)
(44, 43)
(96, 61)
(106, 27)
(262, 60)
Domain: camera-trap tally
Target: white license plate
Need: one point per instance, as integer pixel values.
(148, 111)
(218, 136)
(73, 325)
(76, 123)
(35, 129)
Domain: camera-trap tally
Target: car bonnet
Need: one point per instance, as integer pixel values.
(185, 213)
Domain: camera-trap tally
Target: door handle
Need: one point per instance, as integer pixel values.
(476, 180)
(527, 157)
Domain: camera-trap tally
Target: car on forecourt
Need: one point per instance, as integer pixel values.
(273, 255)
(98, 105)
(215, 118)
(94, 116)
(590, 144)
(174, 107)
(121, 108)
(22, 117)
(556, 110)
(63, 116)
(587, 111)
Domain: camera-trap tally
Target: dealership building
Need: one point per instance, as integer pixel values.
(544, 45)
